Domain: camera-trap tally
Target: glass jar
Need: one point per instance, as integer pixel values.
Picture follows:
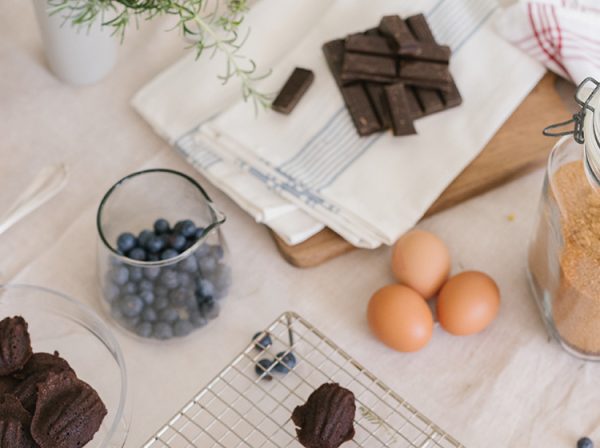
(162, 259)
(564, 254)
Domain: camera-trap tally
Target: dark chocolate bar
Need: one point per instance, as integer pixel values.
(430, 101)
(356, 63)
(377, 45)
(293, 90)
(413, 103)
(397, 30)
(402, 121)
(425, 74)
(355, 96)
(379, 101)
(425, 51)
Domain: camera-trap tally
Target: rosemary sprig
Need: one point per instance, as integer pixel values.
(207, 25)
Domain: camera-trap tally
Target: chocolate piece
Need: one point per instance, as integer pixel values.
(15, 345)
(379, 102)
(420, 28)
(377, 45)
(373, 32)
(413, 103)
(429, 52)
(351, 78)
(14, 424)
(402, 122)
(356, 63)
(7, 384)
(395, 28)
(452, 97)
(355, 95)
(293, 90)
(326, 420)
(36, 371)
(430, 101)
(68, 412)
(425, 74)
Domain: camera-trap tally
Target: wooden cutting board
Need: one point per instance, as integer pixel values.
(517, 148)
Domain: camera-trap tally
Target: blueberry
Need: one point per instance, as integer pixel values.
(169, 279)
(200, 299)
(168, 253)
(162, 331)
(160, 303)
(187, 228)
(144, 329)
(207, 265)
(182, 328)
(161, 226)
(149, 315)
(179, 296)
(126, 241)
(285, 362)
(189, 265)
(131, 306)
(155, 244)
(147, 297)
(137, 253)
(151, 273)
(203, 251)
(119, 275)
(161, 291)
(197, 319)
(262, 367)
(176, 242)
(144, 237)
(129, 288)
(146, 285)
(185, 280)
(199, 233)
(585, 442)
(111, 292)
(168, 315)
(135, 273)
(262, 343)
(218, 252)
(205, 288)
(210, 310)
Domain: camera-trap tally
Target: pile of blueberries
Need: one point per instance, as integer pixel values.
(284, 361)
(168, 301)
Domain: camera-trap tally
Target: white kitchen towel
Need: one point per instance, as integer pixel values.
(372, 189)
(564, 35)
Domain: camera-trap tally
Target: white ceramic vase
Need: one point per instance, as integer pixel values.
(77, 55)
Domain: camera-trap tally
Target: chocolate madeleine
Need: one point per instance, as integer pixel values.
(15, 345)
(68, 412)
(14, 424)
(326, 420)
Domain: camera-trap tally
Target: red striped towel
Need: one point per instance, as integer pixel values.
(564, 35)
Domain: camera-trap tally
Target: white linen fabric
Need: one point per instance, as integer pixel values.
(564, 35)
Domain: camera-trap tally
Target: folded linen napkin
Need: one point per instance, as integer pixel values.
(564, 35)
(369, 190)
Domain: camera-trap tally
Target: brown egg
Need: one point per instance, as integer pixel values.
(422, 261)
(468, 303)
(400, 318)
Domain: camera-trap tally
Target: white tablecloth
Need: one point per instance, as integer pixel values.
(507, 387)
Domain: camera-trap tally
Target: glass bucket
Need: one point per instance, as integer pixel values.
(564, 254)
(163, 265)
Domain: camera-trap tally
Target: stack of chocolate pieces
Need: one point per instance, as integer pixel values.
(42, 402)
(393, 74)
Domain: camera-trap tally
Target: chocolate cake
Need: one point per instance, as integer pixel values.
(326, 420)
(36, 371)
(14, 424)
(68, 412)
(15, 345)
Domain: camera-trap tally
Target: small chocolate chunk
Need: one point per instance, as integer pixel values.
(36, 371)
(377, 97)
(326, 420)
(355, 96)
(356, 63)
(15, 345)
(430, 52)
(452, 97)
(413, 103)
(351, 78)
(420, 28)
(425, 74)
(68, 412)
(376, 45)
(293, 90)
(397, 30)
(402, 121)
(430, 101)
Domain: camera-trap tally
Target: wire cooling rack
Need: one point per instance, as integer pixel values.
(240, 408)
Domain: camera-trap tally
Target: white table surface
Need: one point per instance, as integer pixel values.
(506, 387)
